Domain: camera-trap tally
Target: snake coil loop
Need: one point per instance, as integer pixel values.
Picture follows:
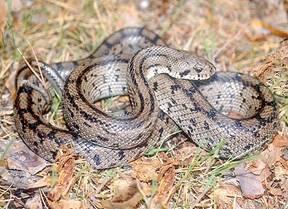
(168, 89)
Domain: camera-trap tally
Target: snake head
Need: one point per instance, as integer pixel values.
(185, 65)
(193, 67)
(176, 63)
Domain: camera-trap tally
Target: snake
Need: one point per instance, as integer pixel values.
(169, 89)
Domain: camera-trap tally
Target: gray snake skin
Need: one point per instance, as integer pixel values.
(168, 89)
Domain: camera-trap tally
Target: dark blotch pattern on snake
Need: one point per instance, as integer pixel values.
(168, 89)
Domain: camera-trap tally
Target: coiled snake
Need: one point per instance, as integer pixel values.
(168, 88)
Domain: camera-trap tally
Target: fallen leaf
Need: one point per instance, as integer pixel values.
(19, 179)
(271, 155)
(34, 202)
(127, 194)
(3, 17)
(251, 204)
(185, 153)
(259, 168)
(166, 187)
(280, 141)
(275, 191)
(284, 163)
(19, 157)
(280, 172)
(256, 166)
(45, 181)
(65, 168)
(284, 187)
(142, 165)
(225, 194)
(67, 204)
(250, 184)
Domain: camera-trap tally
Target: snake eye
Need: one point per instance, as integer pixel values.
(198, 68)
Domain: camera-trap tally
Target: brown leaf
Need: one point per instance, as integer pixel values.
(34, 202)
(280, 172)
(67, 204)
(3, 17)
(284, 187)
(275, 191)
(259, 168)
(65, 169)
(185, 153)
(280, 141)
(166, 187)
(271, 155)
(17, 178)
(250, 184)
(126, 196)
(19, 157)
(142, 165)
(224, 195)
(256, 166)
(45, 181)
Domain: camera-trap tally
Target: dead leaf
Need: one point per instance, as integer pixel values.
(256, 166)
(280, 141)
(166, 187)
(275, 191)
(280, 172)
(185, 153)
(127, 194)
(67, 204)
(142, 165)
(65, 169)
(284, 187)
(250, 184)
(3, 17)
(45, 181)
(22, 166)
(19, 179)
(271, 155)
(19, 157)
(259, 168)
(225, 194)
(34, 202)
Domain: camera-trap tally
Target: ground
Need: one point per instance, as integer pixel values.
(245, 36)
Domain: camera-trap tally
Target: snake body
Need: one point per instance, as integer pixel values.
(168, 89)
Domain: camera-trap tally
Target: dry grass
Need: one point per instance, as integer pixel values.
(66, 30)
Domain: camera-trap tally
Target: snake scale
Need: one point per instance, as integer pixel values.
(168, 89)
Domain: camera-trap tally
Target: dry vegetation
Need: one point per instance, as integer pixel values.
(237, 35)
